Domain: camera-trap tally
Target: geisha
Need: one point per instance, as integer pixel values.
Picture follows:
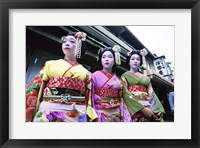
(106, 88)
(61, 90)
(143, 104)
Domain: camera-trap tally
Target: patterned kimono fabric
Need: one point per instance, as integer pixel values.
(106, 98)
(138, 93)
(59, 78)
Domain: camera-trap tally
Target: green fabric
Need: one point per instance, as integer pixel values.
(157, 105)
(129, 79)
(135, 80)
(132, 104)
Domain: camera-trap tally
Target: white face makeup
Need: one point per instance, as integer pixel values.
(135, 61)
(107, 60)
(69, 46)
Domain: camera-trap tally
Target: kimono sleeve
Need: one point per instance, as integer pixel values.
(33, 93)
(90, 110)
(157, 106)
(132, 104)
(150, 90)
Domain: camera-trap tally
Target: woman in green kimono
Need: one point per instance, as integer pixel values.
(142, 102)
(61, 90)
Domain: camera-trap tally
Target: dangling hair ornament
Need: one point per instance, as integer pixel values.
(81, 36)
(100, 50)
(129, 53)
(143, 53)
(62, 39)
(117, 50)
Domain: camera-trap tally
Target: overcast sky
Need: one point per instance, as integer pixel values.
(157, 39)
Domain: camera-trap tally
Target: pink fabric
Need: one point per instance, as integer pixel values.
(100, 79)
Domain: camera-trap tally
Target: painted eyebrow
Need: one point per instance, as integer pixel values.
(135, 58)
(69, 40)
(108, 55)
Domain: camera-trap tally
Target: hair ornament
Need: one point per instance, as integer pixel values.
(129, 53)
(81, 36)
(143, 52)
(117, 49)
(100, 50)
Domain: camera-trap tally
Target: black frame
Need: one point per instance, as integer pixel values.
(5, 5)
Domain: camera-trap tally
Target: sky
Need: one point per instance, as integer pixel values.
(157, 39)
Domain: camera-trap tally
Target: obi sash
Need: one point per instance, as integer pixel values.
(137, 88)
(64, 99)
(109, 96)
(65, 90)
(68, 83)
(107, 92)
(139, 92)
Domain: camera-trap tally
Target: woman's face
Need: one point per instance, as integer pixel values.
(135, 61)
(69, 45)
(107, 59)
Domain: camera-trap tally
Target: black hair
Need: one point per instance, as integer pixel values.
(71, 33)
(68, 34)
(101, 51)
(134, 52)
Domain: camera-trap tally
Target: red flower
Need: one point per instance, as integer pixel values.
(31, 101)
(29, 113)
(34, 93)
(28, 95)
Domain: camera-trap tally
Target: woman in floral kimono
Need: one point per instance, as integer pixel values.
(61, 90)
(142, 102)
(106, 96)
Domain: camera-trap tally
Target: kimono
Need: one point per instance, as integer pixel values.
(138, 93)
(106, 98)
(59, 93)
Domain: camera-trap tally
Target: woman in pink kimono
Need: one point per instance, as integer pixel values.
(106, 89)
(61, 90)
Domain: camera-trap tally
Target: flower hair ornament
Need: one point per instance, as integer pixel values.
(117, 50)
(80, 36)
(143, 53)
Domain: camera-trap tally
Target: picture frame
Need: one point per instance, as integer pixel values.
(194, 5)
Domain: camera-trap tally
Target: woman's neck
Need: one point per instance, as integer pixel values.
(134, 70)
(70, 58)
(108, 70)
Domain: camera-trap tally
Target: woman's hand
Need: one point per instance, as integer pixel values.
(159, 116)
(148, 113)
